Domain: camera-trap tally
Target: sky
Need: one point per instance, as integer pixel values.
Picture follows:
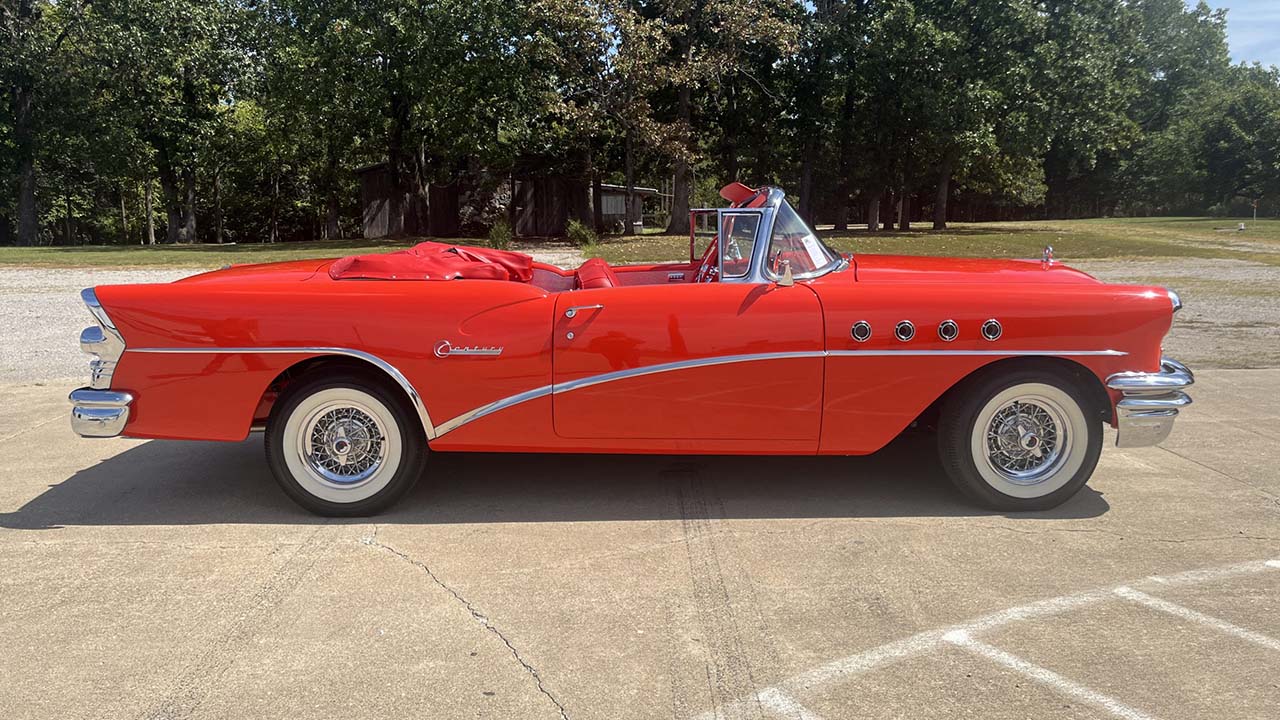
(1253, 29)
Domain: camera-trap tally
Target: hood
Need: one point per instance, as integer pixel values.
(287, 271)
(916, 269)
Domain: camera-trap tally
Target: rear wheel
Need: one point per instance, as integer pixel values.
(341, 445)
(1025, 440)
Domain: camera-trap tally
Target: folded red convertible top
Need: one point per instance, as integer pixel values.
(436, 261)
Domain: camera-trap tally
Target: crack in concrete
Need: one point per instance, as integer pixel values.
(38, 425)
(1212, 469)
(475, 615)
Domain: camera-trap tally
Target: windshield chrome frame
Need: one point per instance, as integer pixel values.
(759, 272)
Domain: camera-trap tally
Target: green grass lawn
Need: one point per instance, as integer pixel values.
(196, 256)
(1101, 238)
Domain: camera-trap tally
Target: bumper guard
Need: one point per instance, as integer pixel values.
(99, 413)
(1144, 416)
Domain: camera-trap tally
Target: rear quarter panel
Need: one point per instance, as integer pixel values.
(214, 396)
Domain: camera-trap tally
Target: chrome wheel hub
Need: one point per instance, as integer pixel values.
(1027, 439)
(343, 443)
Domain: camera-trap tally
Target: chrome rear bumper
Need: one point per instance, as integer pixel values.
(99, 413)
(1144, 416)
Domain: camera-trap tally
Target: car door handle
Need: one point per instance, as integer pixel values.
(571, 312)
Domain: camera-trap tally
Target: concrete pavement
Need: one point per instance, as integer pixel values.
(174, 580)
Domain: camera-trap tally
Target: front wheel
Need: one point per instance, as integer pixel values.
(343, 446)
(1021, 441)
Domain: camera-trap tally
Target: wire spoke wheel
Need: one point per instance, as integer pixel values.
(1027, 438)
(343, 443)
(1020, 440)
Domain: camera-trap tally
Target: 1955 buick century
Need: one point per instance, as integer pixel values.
(768, 342)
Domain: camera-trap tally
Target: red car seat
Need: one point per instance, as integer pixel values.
(595, 273)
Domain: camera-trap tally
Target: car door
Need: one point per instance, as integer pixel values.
(726, 361)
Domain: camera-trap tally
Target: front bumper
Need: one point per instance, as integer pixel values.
(1150, 402)
(99, 413)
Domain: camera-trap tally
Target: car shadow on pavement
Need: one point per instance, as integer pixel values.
(181, 483)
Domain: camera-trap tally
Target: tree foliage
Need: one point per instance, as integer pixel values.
(132, 121)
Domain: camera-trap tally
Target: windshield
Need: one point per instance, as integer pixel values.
(793, 243)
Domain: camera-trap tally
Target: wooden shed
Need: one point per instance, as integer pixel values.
(383, 214)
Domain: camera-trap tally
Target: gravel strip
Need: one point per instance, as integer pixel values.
(41, 317)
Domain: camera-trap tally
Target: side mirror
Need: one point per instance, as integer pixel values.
(786, 280)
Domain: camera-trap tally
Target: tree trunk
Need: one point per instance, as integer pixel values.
(399, 107)
(273, 233)
(597, 212)
(944, 187)
(24, 135)
(842, 214)
(888, 206)
(678, 224)
(806, 183)
(629, 165)
(151, 212)
(844, 184)
(66, 224)
(331, 228)
(189, 204)
(217, 203)
(169, 189)
(124, 218)
(730, 125)
(873, 213)
(904, 211)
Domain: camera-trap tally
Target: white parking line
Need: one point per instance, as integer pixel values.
(1187, 613)
(1048, 677)
(848, 667)
(786, 706)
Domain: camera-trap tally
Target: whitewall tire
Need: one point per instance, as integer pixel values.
(342, 445)
(1025, 440)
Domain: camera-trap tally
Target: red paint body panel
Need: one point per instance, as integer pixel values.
(651, 325)
(827, 394)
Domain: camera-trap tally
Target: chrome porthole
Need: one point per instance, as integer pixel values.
(904, 330)
(991, 329)
(861, 331)
(948, 330)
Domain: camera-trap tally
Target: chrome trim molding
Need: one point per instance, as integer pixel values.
(861, 331)
(99, 413)
(554, 389)
(1174, 299)
(992, 330)
(993, 353)
(1150, 402)
(493, 407)
(90, 299)
(378, 362)
(904, 330)
(103, 341)
(948, 330)
(681, 365)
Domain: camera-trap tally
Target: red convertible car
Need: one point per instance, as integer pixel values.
(768, 342)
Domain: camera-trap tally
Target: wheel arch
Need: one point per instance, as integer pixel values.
(335, 360)
(1077, 374)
